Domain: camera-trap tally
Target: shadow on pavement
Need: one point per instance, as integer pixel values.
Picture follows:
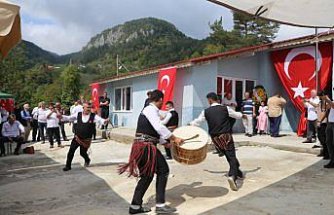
(36, 184)
(310, 191)
(193, 190)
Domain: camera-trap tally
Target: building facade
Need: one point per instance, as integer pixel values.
(234, 71)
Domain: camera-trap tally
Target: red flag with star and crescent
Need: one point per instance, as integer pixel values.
(95, 87)
(166, 81)
(296, 70)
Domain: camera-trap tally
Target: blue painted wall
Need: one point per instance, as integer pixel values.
(193, 83)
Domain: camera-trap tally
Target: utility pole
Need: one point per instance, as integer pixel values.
(117, 64)
(317, 84)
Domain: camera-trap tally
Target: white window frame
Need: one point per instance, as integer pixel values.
(233, 79)
(122, 97)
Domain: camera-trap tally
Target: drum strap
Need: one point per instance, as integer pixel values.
(223, 141)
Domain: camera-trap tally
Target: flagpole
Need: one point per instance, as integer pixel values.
(316, 60)
(117, 64)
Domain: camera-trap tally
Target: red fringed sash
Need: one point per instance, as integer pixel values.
(137, 156)
(223, 141)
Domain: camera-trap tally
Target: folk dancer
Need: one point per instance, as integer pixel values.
(84, 131)
(217, 117)
(146, 159)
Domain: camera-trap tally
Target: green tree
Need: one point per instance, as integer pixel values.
(254, 30)
(70, 85)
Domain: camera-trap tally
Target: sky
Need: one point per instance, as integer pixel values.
(65, 26)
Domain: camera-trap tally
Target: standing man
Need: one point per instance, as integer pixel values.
(330, 132)
(323, 111)
(52, 121)
(3, 116)
(83, 137)
(146, 159)
(275, 104)
(147, 100)
(42, 124)
(217, 117)
(171, 121)
(35, 130)
(248, 109)
(12, 131)
(312, 105)
(61, 123)
(231, 103)
(104, 106)
(26, 120)
(75, 110)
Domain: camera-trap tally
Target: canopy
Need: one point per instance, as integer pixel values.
(10, 27)
(6, 96)
(304, 13)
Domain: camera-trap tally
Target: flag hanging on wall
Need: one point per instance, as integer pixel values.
(95, 95)
(296, 70)
(166, 81)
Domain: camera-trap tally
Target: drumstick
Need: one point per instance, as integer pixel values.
(190, 138)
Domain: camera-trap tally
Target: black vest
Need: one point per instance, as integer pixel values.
(144, 127)
(174, 120)
(218, 120)
(85, 130)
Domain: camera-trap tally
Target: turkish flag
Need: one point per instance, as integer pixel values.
(296, 70)
(95, 95)
(166, 81)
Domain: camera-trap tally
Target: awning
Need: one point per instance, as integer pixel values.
(10, 27)
(304, 13)
(6, 96)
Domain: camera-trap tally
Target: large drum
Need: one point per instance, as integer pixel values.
(194, 149)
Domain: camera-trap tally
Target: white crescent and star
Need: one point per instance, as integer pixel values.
(163, 78)
(299, 91)
(94, 93)
(309, 50)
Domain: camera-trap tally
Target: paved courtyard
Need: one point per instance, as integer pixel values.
(277, 182)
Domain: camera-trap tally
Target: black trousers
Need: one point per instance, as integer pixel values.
(275, 123)
(330, 140)
(62, 128)
(54, 133)
(322, 139)
(104, 115)
(232, 160)
(162, 171)
(311, 129)
(19, 141)
(35, 130)
(71, 151)
(41, 128)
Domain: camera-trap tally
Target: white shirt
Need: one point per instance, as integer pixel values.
(167, 117)
(52, 121)
(35, 113)
(331, 115)
(14, 130)
(77, 109)
(311, 110)
(4, 115)
(152, 114)
(85, 118)
(201, 118)
(229, 103)
(42, 114)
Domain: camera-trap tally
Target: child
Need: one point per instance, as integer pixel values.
(262, 122)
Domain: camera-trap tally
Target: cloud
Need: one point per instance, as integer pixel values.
(65, 26)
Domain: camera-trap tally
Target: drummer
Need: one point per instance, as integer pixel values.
(145, 159)
(171, 121)
(217, 117)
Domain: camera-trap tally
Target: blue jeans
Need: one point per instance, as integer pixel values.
(42, 128)
(275, 123)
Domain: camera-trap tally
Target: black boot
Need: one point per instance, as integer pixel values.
(65, 169)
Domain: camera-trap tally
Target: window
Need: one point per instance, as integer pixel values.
(236, 86)
(123, 99)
